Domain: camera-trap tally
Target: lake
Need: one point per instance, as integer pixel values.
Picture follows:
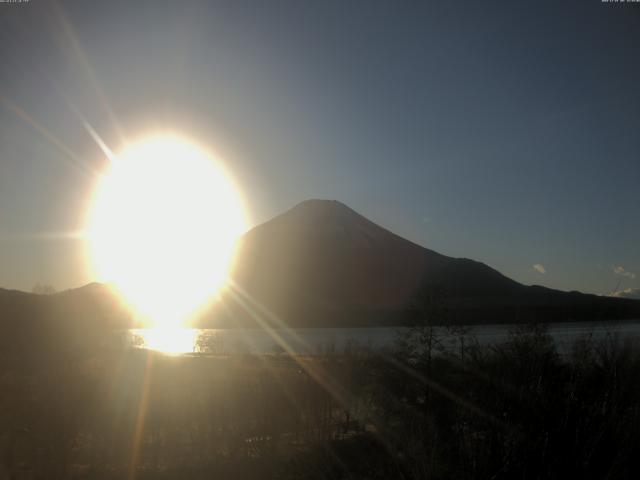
(314, 341)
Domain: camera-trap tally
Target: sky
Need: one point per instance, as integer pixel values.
(505, 132)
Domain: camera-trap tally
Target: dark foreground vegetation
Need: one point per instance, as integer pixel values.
(515, 410)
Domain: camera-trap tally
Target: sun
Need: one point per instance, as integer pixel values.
(162, 228)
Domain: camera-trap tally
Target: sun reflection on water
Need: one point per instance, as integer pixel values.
(173, 341)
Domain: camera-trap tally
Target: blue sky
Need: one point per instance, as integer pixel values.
(498, 131)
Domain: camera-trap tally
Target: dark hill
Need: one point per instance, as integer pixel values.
(34, 326)
(321, 263)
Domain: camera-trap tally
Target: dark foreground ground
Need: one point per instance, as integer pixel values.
(516, 410)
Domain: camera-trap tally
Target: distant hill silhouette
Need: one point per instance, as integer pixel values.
(323, 264)
(34, 326)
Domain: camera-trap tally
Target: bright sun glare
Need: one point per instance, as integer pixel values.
(162, 229)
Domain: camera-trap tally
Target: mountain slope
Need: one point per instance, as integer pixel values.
(35, 328)
(321, 263)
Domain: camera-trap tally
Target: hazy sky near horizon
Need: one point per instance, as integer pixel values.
(506, 132)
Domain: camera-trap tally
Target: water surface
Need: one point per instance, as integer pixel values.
(314, 341)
